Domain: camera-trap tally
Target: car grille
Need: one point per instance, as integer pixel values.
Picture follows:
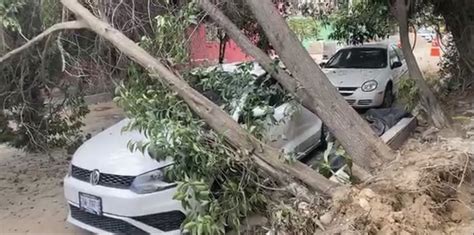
(351, 102)
(364, 102)
(167, 221)
(108, 224)
(347, 91)
(108, 180)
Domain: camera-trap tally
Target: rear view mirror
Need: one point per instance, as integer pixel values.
(396, 64)
(322, 64)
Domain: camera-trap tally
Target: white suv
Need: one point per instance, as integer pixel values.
(110, 189)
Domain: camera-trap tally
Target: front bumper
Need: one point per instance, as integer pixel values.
(125, 211)
(361, 99)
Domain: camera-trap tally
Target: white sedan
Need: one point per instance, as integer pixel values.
(366, 75)
(112, 190)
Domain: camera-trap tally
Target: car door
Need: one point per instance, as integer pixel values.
(294, 129)
(394, 58)
(404, 69)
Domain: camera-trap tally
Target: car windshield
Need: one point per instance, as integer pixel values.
(359, 58)
(425, 30)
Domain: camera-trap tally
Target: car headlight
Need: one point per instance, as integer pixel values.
(151, 182)
(369, 86)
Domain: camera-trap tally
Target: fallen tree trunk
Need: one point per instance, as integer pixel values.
(267, 158)
(288, 82)
(355, 135)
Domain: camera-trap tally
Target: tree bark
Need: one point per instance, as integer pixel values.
(360, 142)
(289, 83)
(267, 158)
(223, 39)
(461, 27)
(428, 99)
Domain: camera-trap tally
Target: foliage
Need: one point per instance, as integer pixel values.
(9, 10)
(315, 10)
(240, 92)
(50, 12)
(408, 93)
(361, 23)
(171, 46)
(30, 117)
(295, 216)
(304, 27)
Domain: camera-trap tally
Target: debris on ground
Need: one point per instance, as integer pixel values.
(426, 190)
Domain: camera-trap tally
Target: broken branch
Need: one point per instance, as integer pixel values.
(57, 27)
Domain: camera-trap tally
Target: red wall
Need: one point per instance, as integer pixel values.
(203, 51)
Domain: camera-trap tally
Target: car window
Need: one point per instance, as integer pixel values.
(399, 52)
(359, 58)
(393, 56)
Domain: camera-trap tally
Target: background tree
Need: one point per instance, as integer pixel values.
(30, 118)
(360, 23)
(459, 20)
(402, 10)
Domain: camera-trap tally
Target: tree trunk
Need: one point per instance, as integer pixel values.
(266, 157)
(223, 39)
(355, 135)
(461, 27)
(427, 98)
(289, 83)
(463, 37)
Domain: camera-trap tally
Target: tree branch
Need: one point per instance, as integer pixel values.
(41, 36)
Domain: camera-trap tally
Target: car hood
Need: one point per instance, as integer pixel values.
(352, 77)
(108, 152)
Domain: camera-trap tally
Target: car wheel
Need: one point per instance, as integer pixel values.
(388, 97)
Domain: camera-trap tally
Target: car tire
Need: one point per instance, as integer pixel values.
(388, 97)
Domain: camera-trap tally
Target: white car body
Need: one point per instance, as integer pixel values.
(427, 33)
(103, 169)
(349, 81)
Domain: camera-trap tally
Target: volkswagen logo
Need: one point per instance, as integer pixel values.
(94, 177)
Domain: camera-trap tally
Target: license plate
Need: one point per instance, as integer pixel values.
(90, 203)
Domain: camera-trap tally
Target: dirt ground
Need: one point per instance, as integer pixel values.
(427, 189)
(31, 194)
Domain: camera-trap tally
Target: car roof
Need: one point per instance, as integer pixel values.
(257, 70)
(369, 45)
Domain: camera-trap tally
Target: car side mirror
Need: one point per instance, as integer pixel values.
(396, 64)
(322, 64)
